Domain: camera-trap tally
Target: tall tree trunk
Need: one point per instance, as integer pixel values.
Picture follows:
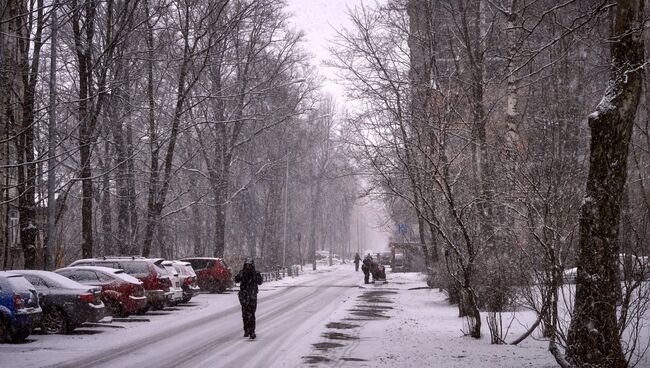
(132, 195)
(421, 76)
(9, 70)
(154, 147)
(315, 210)
(118, 112)
(83, 30)
(195, 38)
(220, 224)
(593, 337)
(25, 142)
(107, 218)
(275, 225)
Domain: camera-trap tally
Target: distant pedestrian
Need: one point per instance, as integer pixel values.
(367, 260)
(248, 278)
(357, 259)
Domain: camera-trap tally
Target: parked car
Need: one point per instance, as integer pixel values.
(188, 279)
(121, 293)
(212, 274)
(385, 258)
(20, 310)
(66, 303)
(156, 284)
(175, 294)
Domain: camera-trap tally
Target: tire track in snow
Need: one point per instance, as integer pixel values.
(135, 354)
(111, 354)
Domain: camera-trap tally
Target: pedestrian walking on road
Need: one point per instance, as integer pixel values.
(248, 278)
(367, 260)
(357, 259)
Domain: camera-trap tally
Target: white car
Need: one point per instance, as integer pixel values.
(188, 279)
(175, 293)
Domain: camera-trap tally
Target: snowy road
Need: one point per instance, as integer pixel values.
(286, 316)
(324, 319)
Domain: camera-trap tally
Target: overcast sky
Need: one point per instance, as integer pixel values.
(319, 19)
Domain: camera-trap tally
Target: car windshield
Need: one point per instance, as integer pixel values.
(51, 279)
(171, 270)
(120, 274)
(20, 283)
(162, 271)
(199, 264)
(190, 270)
(180, 269)
(62, 281)
(136, 268)
(37, 281)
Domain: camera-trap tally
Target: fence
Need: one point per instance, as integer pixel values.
(281, 273)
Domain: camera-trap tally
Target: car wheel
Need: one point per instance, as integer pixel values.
(54, 321)
(186, 299)
(142, 311)
(212, 287)
(114, 308)
(4, 331)
(221, 288)
(20, 335)
(121, 312)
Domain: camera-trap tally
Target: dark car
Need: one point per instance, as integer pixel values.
(122, 294)
(212, 274)
(19, 307)
(156, 284)
(66, 303)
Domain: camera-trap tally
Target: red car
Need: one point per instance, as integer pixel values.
(122, 294)
(156, 282)
(212, 274)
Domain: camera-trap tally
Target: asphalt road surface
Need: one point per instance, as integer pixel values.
(284, 318)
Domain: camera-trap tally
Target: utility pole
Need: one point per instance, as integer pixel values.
(358, 233)
(51, 155)
(286, 210)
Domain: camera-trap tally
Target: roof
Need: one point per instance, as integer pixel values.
(9, 273)
(117, 272)
(209, 258)
(171, 263)
(94, 268)
(60, 280)
(103, 258)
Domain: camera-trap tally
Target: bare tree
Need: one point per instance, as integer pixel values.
(594, 336)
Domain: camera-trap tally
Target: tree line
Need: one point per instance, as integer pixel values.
(512, 136)
(165, 128)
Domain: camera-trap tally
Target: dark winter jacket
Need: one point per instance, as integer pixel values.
(248, 279)
(357, 258)
(366, 264)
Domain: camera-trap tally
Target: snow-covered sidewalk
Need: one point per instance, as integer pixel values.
(404, 324)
